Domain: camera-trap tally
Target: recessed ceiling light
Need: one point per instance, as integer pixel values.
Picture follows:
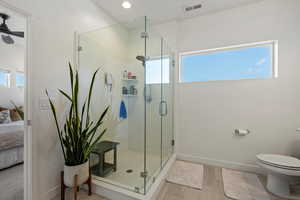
(126, 4)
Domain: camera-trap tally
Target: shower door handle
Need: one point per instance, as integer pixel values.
(163, 108)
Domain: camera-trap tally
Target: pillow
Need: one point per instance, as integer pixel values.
(4, 117)
(14, 115)
(2, 108)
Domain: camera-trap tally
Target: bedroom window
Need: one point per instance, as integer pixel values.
(4, 78)
(247, 61)
(20, 80)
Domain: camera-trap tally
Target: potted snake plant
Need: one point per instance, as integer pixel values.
(79, 134)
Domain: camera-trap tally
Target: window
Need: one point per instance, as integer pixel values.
(157, 71)
(252, 61)
(20, 80)
(4, 78)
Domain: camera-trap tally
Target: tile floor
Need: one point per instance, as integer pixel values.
(11, 183)
(212, 189)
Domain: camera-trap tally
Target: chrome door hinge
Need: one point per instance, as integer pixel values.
(136, 190)
(144, 35)
(144, 174)
(173, 63)
(28, 123)
(153, 179)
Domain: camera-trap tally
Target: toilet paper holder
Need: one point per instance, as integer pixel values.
(241, 132)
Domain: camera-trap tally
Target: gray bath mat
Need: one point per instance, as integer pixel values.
(243, 186)
(187, 174)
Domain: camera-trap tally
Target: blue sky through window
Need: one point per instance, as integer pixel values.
(4, 78)
(244, 63)
(20, 80)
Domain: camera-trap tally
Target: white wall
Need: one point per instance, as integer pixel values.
(52, 35)
(11, 59)
(99, 51)
(207, 113)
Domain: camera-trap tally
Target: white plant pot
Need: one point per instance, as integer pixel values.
(82, 171)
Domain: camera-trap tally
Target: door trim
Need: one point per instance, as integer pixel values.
(27, 102)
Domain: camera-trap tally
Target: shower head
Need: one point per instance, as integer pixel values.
(143, 59)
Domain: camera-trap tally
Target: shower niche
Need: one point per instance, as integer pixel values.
(140, 90)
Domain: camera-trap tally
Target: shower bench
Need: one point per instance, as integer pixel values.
(103, 168)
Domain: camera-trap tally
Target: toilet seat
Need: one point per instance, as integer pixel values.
(281, 170)
(280, 161)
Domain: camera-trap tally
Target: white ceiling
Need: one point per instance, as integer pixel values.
(16, 22)
(160, 11)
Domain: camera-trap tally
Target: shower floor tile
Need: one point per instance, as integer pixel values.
(130, 164)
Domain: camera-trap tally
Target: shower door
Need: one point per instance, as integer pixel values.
(152, 106)
(138, 63)
(158, 105)
(167, 75)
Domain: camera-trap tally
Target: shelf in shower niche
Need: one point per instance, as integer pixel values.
(133, 80)
(129, 95)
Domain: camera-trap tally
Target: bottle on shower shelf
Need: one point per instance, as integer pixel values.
(135, 91)
(125, 74)
(124, 90)
(131, 90)
(129, 75)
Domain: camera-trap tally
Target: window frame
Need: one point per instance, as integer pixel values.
(8, 81)
(273, 43)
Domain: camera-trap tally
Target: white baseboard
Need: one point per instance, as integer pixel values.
(52, 193)
(221, 163)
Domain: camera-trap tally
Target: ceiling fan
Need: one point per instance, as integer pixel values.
(6, 37)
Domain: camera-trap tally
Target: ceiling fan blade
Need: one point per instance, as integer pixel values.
(7, 39)
(17, 33)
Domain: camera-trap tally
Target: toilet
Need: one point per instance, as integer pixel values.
(281, 171)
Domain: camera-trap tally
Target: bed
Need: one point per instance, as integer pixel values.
(11, 144)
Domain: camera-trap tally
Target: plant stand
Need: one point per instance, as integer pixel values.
(76, 186)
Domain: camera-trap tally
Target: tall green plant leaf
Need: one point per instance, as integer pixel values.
(56, 123)
(78, 140)
(90, 96)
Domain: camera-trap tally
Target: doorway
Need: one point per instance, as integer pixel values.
(15, 134)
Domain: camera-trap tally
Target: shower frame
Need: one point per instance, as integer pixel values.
(149, 179)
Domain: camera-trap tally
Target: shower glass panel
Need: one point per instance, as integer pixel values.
(109, 49)
(167, 91)
(136, 81)
(152, 108)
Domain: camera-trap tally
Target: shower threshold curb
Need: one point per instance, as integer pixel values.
(114, 192)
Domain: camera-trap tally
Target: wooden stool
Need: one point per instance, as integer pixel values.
(103, 168)
(76, 186)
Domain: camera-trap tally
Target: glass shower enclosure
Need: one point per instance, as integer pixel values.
(136, 81)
